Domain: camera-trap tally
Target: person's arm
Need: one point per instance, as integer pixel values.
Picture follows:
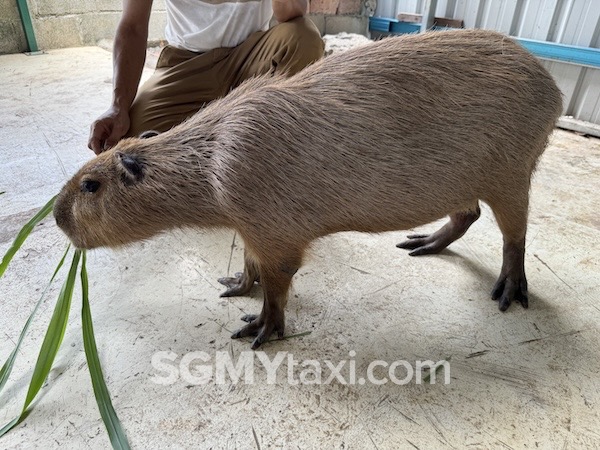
(129, 55)
(285, 10)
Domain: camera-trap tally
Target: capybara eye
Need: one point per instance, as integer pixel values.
(90, 186)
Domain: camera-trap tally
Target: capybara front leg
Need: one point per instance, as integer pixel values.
(425, 244)
(275, 283)
(242, 282)
(511, 216)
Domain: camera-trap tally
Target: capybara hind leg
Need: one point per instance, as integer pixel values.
(511, 284)
(242, 282)
(425, 244)
(276, 282)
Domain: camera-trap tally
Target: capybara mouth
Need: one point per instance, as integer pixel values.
(77, 242)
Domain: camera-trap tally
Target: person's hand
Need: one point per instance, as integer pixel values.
(108, 129)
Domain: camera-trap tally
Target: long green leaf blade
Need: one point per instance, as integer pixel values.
(8, 365)
(115, 430)
(52, 341)
(55, 333)
(10, 425)
(25, 231)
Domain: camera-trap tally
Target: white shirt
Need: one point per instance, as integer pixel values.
(202, 25)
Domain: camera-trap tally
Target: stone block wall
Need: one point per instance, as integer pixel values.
(335, 16)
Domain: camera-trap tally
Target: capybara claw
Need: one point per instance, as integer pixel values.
(422, 244)
(258, 342)
(249, 317)
(236, 334)
(264, 336)
(232, 292)
(260, 328)
(231, 281)
(506, 290)
(238, 285)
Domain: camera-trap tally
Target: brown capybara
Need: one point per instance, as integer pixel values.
(388, 136)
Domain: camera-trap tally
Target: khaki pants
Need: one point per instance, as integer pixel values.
(185, 81)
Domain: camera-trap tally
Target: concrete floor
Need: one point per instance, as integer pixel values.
(520, 379)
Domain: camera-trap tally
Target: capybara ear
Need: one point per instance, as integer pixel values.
(133, 169)
(148, 134)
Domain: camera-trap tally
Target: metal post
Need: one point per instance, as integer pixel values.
(27, 26)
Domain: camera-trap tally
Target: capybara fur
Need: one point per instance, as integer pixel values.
(387, 136)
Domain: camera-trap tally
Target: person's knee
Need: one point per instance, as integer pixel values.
(303, 36)
(303, 29)
(308, 37)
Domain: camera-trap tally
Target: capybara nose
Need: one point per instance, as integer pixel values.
(60, 210)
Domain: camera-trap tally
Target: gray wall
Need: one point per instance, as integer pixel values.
(575, 22)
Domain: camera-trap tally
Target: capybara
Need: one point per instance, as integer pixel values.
(387, 136)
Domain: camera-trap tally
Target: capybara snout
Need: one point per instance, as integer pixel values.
(388, 136)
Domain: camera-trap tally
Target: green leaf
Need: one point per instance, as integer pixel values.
(25, 231)
(292, 336)
(116, 433)
(52, 341)
(10, 425)
(55, 332)
(8, 365)
(3, 192)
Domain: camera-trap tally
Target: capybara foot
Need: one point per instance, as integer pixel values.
(261, 328)
(427, 244)
(423, 244)
(508, 289)
(240, 284)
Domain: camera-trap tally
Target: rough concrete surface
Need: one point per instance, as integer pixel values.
(520, 379)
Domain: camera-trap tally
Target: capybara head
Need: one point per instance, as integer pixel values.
(130, 193)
